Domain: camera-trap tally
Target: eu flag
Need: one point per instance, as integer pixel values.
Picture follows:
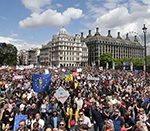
(126, 64)
(41, 82)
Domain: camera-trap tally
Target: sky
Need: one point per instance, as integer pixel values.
(31, 23)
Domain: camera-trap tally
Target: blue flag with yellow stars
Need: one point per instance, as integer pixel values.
(41, 82)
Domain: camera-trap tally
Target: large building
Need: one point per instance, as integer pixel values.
(45, 57)
(64, 50)
(33, 56)
(22, 57)
(148, 50)
(119, 47)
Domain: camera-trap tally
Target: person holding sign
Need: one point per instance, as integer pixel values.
(73, 114)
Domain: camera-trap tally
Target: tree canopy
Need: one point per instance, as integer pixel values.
(8, 55)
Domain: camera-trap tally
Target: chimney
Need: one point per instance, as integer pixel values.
(97, 32)
(118, 37)
(127, 37)
(135, 39)
(89, 35)
(82, 37)
(109, 34)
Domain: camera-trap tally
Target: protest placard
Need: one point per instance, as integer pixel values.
(61, 95)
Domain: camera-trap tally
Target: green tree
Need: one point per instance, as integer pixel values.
(148, 60)
(8, 55)
(106, 57)
(138, 62)
(118, 62)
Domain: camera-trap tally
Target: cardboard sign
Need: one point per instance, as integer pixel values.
(61, 95)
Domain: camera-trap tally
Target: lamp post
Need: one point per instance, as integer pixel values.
(145, 61)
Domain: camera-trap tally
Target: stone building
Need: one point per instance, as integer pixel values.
(33, 56)
(22, 57)
(148, 50)
(45, 57)
(119, 47)
(65, 50)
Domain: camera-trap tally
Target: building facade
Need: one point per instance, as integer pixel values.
(119, 47)
(22, 57)
(148, 50)
(45, 57)
(64, 50)
(33, 56)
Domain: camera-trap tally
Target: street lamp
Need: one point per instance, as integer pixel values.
(145, 61)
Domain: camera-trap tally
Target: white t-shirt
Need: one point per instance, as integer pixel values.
(87, 121)
(79, 102)
(41, 122)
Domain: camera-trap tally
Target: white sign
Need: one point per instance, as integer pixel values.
(101, 68)
(63, 70)
(79, 70)
(93, 78)
(61, 95)
(46, 71)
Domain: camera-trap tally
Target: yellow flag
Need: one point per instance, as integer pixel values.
(75, 85)
(69, 78)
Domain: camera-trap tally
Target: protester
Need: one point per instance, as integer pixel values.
(113, 100)
(22, 126)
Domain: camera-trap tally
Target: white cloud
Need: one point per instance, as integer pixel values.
(146, 2)
(21, 44)
(94, 11)
(51, 18)
(59, 5)
(13, 35)
(116, 17)
(3, 18)
(35, 5)
(110, 5)
(77, 5)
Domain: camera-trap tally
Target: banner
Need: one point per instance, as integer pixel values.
(18, 77)
(61, 95)
(75, 73)
(41, 82)
(69, 78)
(18, 118)
(79, 70)
(93, 78)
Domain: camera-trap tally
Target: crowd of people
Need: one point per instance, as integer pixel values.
(118, 101)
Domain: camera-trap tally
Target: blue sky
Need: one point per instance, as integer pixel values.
(31, 23)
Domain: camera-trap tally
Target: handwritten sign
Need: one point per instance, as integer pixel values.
(61, 95)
